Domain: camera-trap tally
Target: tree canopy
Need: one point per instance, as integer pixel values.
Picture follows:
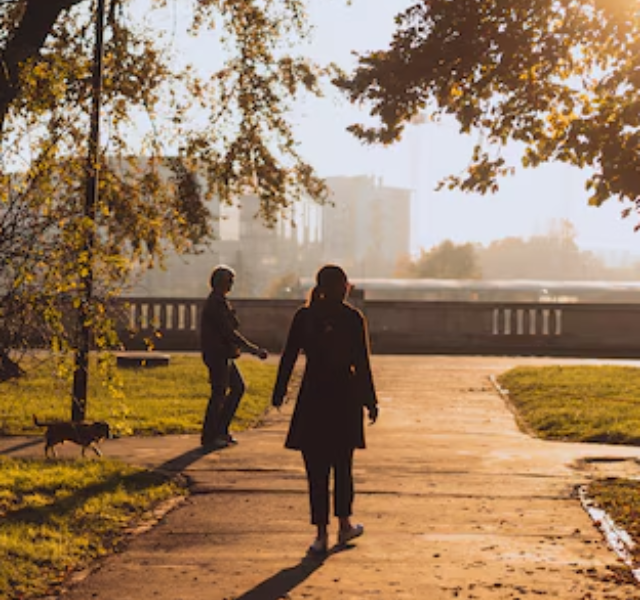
(552, 255)
(173, 135)
(560, 77)
(244, 141)
(447, 260)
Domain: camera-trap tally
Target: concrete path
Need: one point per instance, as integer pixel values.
(456, 501)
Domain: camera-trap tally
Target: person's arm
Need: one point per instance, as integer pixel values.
(238, 340)
(235, 339)
(288, 359)
(366, 387)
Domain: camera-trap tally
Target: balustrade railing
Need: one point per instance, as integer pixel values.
(147, 314)
(527, 321)
(398, 327)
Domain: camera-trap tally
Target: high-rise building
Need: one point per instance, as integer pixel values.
(364, 227)
(367, 226)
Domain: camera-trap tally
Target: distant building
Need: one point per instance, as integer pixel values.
(259, 254)
(368, 228)
(187, 275)
(365, 228)
(264, 254)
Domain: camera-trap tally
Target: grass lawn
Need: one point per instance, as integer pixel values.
(585, 404)
(59, 515)
(577, 403)
(142, 401)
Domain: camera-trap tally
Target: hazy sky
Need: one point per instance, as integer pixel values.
(526, 204)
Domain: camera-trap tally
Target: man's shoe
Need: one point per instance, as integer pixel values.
(346, 535)
(231, 439)
(216, 444)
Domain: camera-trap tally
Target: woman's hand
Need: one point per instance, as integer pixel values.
(373, 414)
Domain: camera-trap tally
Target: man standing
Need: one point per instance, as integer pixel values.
(221, 343)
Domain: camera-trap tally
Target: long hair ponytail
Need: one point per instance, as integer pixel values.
(315, 295)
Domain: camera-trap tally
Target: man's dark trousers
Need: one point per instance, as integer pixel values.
(227, 389)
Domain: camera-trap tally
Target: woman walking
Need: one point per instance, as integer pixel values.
(327, 422)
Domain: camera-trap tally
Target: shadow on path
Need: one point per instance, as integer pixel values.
(186, 459)
(22, 446)
(279, 585)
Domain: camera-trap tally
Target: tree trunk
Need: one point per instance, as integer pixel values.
(25, 42)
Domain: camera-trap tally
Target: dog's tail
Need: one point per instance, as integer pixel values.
(39, 423)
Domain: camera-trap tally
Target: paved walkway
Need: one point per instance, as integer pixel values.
(457, 503)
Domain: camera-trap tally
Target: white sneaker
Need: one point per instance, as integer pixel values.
(346, 535)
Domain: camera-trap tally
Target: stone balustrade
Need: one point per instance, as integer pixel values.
(408, 327)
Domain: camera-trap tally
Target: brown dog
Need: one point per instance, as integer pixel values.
(86, 435)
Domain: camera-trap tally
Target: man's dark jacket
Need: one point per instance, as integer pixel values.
(219, 335)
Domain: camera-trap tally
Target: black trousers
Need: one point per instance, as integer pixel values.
(319, 465)
(227, 389)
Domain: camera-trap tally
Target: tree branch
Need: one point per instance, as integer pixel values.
(24, 43)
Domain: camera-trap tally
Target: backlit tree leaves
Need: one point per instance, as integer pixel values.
(559, 76)
(174, 135)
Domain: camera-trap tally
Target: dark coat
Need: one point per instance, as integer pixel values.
(337, 381)
(219, 335)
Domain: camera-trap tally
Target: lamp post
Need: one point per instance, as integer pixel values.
(81, 370)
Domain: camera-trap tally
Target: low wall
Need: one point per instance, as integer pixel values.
(407, 327)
